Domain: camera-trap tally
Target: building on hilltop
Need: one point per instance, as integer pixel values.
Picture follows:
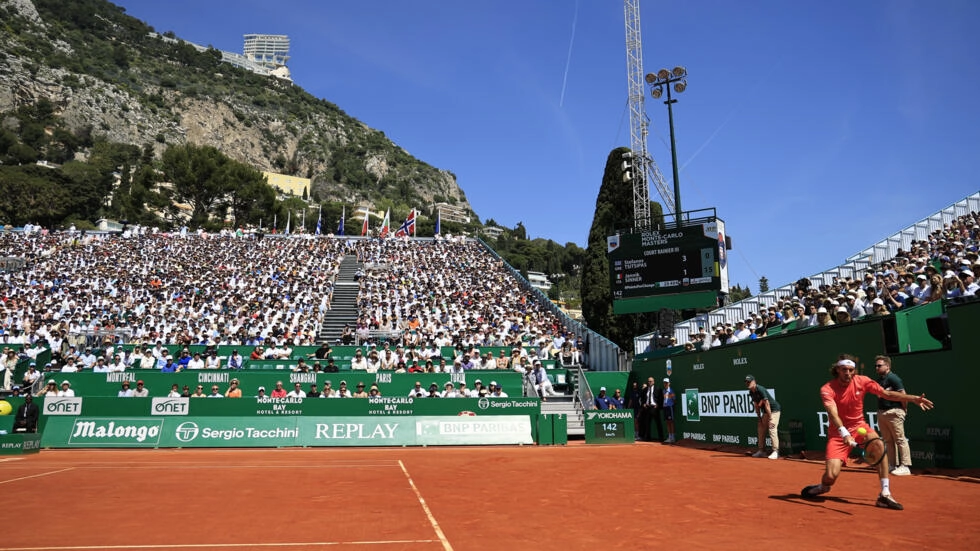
(450, 213)
(286, 184)
(539, 281)
(264, 54)
(269, 50)
(492, 232)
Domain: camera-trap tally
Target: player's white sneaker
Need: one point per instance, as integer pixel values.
(759, 453)
(901, 470)
(774, 455)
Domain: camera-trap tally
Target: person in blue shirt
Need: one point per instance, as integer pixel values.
(669, 410)
(605, 402)
(617, 399)
(169, 366)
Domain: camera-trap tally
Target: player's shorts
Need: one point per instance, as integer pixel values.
(837, 448)
(668, 413)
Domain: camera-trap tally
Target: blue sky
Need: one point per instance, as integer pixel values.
(815, 128)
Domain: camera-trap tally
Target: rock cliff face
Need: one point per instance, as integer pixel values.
(150, 98)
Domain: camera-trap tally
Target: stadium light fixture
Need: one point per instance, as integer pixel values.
(663, 79)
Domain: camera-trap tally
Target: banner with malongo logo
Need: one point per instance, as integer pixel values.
(216, 432)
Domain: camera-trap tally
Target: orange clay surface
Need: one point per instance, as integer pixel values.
(637, 496)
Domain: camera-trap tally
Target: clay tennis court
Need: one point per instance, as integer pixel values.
(640, 496)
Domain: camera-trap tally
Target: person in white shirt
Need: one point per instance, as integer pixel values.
(140, 391)
(388, 360)
(88, 359)
(66, 391)
(117, 365)
(296, 392)
(196, 362)
(373, 362)
(417, 391)
(147, 361)
(742, 332)
(125, 391)
(72, 367)
(496, 391)
(212, 361)
(450, 391)
(358, 361)
(174, 390)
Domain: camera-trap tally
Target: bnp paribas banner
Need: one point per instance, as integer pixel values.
(216, 432)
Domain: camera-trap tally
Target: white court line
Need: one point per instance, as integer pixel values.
(35, 475)
(216, 545)
(428, 513)
(225, 466)
(11, 459)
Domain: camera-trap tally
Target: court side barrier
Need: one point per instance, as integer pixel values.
(389, 383)
(713, 406)
(271, 422)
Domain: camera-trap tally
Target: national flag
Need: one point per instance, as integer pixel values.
(408, 228)
(340, 226)
(289, 218)
(364, 227)
(319, 216)
(385, 225)
(438, 222)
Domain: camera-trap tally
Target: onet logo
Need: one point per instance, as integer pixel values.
(63, 406)
(187, 431)
(170, 406)
(484, 403)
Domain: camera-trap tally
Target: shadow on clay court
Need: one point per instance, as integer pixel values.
(821, 502)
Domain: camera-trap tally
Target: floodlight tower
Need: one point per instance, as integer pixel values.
(644, 168)
(663, 79)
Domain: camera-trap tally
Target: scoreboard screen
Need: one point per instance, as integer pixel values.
(690, 259)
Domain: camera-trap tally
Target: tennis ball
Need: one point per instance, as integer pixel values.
(6, 408)
(862, 431)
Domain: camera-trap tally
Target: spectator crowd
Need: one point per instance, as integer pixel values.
(942, 266)
(149, 289)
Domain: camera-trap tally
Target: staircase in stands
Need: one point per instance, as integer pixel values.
(343, 310)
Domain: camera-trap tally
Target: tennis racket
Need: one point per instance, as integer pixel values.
(872, 451)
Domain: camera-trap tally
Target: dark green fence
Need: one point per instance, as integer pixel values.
(713, 405)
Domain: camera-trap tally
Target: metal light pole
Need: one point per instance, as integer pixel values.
(663, 79)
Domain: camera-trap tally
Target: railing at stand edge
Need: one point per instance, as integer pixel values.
(528, 385)
(583, 392)
(597, 352)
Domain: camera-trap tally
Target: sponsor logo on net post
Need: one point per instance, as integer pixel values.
(170, 406)
(62, 406)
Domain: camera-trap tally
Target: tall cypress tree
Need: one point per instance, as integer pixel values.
(613, 212)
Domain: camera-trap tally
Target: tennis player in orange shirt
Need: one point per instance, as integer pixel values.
(843, 398)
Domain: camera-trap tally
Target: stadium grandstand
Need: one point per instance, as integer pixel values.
(142, 301)
(932, 259)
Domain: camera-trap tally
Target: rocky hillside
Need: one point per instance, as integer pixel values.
(109, 74)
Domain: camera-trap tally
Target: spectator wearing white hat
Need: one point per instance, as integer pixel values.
(970, 285)
(66, 390)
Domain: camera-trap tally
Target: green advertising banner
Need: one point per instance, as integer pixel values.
(218, 432)
(715, 408)
(266, 407)
(20, 443)
(609, 427)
